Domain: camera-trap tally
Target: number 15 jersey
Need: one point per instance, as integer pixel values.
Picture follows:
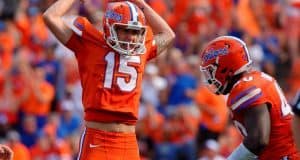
(257, 88)
(111, 82)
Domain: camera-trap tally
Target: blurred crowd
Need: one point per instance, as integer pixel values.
(179, 119)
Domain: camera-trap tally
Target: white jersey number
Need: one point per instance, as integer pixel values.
(124, 85)
(285, 107)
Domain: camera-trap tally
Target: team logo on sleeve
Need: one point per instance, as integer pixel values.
(78, 25)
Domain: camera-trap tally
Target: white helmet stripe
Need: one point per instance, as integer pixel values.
(133, 12)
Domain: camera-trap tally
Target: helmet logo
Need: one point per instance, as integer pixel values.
(214, 53)
(113, 15)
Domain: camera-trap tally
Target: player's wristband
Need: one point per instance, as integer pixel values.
(296, 105)
(242, 153)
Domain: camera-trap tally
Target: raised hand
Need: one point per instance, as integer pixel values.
(5, 153)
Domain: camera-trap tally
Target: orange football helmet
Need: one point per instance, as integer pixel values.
(127, 15)
(222, 59)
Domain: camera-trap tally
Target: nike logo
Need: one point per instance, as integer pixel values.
(94, 145)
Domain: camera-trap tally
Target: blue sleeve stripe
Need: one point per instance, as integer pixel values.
(242, 94)
(247, 99)
(248, 102)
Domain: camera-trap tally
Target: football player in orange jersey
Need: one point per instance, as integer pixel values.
(5, 153)
(258, 106)
(111, 65)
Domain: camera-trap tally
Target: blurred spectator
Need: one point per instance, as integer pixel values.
(73, 143)
(70, 121)
(255, 50)
(179, 10)
(214, 115)
(9, 104)
(38, 31)
(152, 85)
(247, 16)
(53, 73)
(235, 29)
(166, 149)
(148, 129)
(8, 42)
(22, 22)
(183, 80)
(160, 7)
(72, 83)
(20, 150)
(183, 122)
(294, 79)
(40, 94)
(221, 12)
(49, 146)
(29, 130)
(182, 41)
(270, 44)
(291, 24)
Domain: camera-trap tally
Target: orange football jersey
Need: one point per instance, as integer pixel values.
(257, 88)
(111, 82)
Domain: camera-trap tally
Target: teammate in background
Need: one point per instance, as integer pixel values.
(5, 153)
(259, 109)
(296, 120)
(111, 65)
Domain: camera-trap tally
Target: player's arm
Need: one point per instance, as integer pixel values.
(163, 34)
(53, 18)
(257, 124)
(296, 130)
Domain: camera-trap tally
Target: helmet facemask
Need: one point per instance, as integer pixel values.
(124, 47)
(209, 73)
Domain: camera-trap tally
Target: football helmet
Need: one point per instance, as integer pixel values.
(222, 59)
(129, 16)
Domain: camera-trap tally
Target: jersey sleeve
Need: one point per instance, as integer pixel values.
(247, 94)
(83, 30)
(77, 25)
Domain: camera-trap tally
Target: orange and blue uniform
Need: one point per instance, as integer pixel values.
(257, 88)
(111, 85)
